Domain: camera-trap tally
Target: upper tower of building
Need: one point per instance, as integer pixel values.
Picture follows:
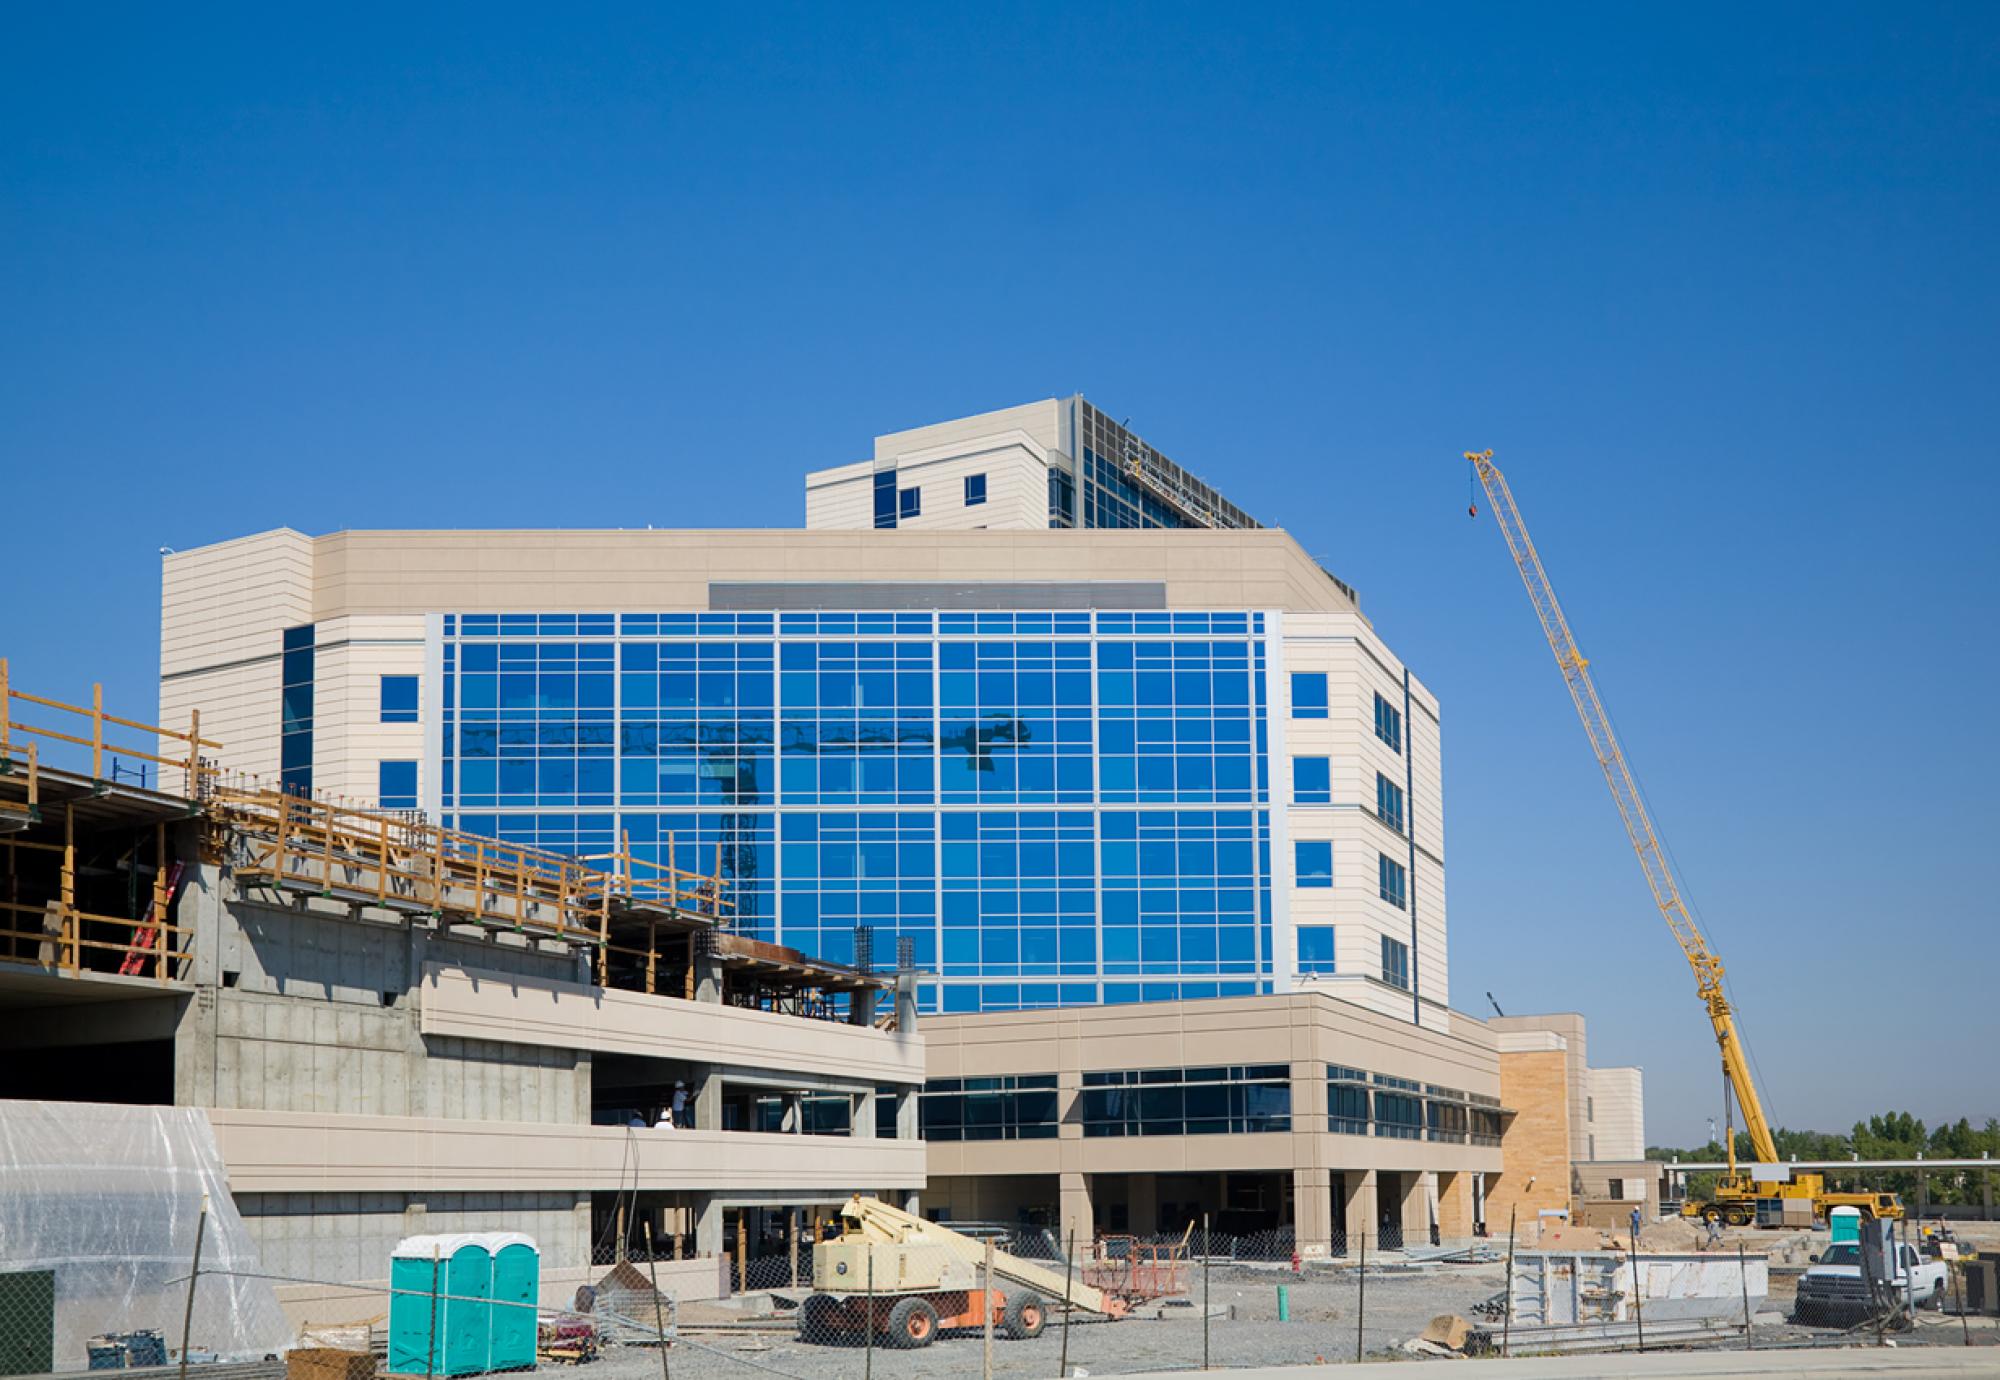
(1056, 463)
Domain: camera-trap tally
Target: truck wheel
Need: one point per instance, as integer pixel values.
(912, 1323)
(1711, 1215)
(1024, 1315)
(819, 1319)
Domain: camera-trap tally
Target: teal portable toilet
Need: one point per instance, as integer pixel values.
(440, 1305)
(1845, 1223)
(517, 1289)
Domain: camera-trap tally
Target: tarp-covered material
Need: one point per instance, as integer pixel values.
(107, 1197)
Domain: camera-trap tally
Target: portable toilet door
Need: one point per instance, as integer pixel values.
(416, 1313)
(465, 1332)
(1845, 1224)
(517, 1289)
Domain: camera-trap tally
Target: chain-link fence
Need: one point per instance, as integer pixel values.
(1011, 1303)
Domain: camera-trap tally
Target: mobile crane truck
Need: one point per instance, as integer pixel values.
(1736, 1193)
(904, 1279)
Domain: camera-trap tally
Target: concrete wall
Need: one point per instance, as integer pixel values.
(1617, 1103)
(347, 1237)
(570, 1015)
(1359, 666)
(1305, 1031)
(223, 612)
(1012, 449)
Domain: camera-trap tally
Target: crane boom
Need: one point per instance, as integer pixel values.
(1639, 828)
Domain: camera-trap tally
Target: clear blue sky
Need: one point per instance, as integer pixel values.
(1718, 284)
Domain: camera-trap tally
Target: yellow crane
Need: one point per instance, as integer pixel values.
(1736, 1194)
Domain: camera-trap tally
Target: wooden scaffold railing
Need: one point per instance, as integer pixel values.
(89, 729)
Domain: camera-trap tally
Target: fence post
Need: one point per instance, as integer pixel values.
(1743, 1273)
(1958, 1294)
(194, 1273)
(1361, 1296)
(162, 899)
(1206, 1255)
(97, 731)
(986, 1295)
(1507, 1325)
(71, 923)
(1069, 1269)
(1638, 1307)
(659, 1317)
(868, 1321)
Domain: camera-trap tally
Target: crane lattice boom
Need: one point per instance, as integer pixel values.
(1639, 828)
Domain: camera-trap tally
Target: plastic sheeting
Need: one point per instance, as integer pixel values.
(108, 1198)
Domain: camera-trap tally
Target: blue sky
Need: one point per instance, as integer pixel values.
(1717, 283)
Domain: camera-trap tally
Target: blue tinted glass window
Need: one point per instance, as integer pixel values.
(1308, 695)
(1389, 723)
(909, 503)
(1312, 781)
(396, 785)
(399, 699)
(1315, 948)
(975, 490)
(1313, 859)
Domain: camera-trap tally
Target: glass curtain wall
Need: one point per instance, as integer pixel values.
(1053, 807)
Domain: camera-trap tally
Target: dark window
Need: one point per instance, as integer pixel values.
(1395, 963)
(1346, 1101)
(975, 490)
(1389, 802)
(1014, 1107)
(1188, 1102)
(1315, 948)
(1392, 880)
(1313, 859)
(885, 498)
(1389, 723)
(399, 699)
(1399, 1116)
(1312, 781)
(909, 504)
(396, 785)
(295, 712)
(1062, 499)
(885, 1112)
(1309, 695)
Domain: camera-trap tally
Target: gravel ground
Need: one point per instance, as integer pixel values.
(1244, 1332)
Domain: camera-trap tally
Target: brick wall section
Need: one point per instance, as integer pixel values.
(1536, 1085)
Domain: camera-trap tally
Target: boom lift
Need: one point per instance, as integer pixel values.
(1736, 1193)
(892, 1273)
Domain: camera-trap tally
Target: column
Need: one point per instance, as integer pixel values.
(1358, 1212)
(1455, 1205)
(907, 1125)
(1312, 1211)
(705, 1089)
(1075, 1209)
(707, 1225)
(861, 1119)
(1143, 1203)
(1419, 1191)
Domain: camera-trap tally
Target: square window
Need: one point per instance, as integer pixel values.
(1313, 862)
(1315, 948)
(1312, 781)
(1309, 695)
(909, 504)
(975, 490)
(399, 699)
(396, 785)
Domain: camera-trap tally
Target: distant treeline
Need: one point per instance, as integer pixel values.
(1891, 1136)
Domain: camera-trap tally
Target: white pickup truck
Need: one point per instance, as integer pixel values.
(1833, 1289)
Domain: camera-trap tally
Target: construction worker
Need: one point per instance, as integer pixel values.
(1635, 1227)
